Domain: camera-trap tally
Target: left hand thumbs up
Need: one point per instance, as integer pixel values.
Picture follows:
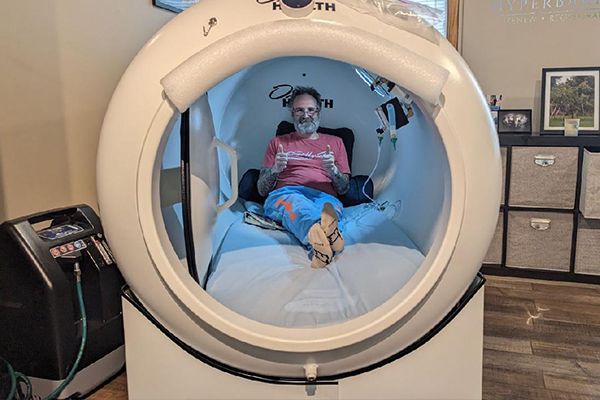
(329, 161)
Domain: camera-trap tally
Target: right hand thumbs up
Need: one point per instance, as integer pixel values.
(281, 160)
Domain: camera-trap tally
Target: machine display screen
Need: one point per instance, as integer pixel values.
(57, 232)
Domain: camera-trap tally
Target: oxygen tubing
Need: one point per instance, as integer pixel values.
(370, 178)
(71, 374)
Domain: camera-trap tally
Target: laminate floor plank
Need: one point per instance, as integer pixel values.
(507, 344)
(580, 385)
(531, 363)
(506, 391)
(580, 352)
(114, 390)
(533, 379)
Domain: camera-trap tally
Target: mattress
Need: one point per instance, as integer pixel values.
(266, 275)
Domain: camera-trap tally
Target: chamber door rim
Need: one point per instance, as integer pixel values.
(195, 300)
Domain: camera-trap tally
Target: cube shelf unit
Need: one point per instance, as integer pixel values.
(541, 231)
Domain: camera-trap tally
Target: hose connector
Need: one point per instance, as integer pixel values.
(310, 372)
(77, 271)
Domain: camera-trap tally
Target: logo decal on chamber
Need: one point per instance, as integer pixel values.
(283, 92)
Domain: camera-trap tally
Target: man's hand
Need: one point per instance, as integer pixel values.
(281, 160)
(329, 162)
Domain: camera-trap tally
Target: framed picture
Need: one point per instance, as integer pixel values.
(514, 121)
(176, 6)
(572, 93)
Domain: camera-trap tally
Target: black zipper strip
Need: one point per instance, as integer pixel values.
(473, 289)
(186, 203)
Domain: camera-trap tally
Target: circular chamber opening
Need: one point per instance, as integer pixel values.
(395, 215)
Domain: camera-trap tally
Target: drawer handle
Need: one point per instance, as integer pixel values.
(540, 224)
(544, 160)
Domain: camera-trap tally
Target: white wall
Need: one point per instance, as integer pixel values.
(60, 61)
(507, 43)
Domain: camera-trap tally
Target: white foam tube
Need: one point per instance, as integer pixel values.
(185, 83)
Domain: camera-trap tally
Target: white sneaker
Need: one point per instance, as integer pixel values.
(322, 253)
(329, 223)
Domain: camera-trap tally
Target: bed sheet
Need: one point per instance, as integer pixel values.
(266, 275)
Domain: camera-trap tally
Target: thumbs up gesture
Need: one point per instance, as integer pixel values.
(281, 160)
(329, 161)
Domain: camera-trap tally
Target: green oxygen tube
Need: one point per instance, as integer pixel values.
(53, 395)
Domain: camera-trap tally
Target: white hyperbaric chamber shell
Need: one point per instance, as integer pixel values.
(178, 65)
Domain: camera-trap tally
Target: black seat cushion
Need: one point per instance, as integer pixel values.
(248, 190)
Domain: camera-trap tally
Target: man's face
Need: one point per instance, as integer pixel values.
(306, 114)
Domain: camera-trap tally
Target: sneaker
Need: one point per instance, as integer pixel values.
(329, 223)
(322, 253)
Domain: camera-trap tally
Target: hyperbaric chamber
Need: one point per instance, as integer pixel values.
(446, 172)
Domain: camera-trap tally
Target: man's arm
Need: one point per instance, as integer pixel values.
(266, 181)
(340, 181)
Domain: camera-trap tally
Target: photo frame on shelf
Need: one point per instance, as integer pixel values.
(514, 121)
(572, 93)
(175, 6)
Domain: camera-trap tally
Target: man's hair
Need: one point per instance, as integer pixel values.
(300, 90)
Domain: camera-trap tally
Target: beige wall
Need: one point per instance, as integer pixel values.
(60, 61)
(507, 46)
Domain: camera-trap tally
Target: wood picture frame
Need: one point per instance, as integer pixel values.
(570, 93)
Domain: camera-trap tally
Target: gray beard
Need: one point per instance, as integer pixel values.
(307, 127)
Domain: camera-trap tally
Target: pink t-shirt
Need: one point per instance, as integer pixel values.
(305, 166)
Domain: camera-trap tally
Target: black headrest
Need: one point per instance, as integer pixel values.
(345, 134)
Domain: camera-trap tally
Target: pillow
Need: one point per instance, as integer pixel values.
(247, 189)
(345, 134)
(354, 196)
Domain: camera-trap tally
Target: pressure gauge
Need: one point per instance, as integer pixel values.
(297, 3)
(297, 8)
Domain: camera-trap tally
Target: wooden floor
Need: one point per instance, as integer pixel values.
(542, 341)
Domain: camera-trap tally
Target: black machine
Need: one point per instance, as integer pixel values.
(41, 326)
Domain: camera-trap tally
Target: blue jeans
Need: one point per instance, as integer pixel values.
(298, 208)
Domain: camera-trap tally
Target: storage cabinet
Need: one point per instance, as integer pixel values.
(539, 240)
(590, 184)
(543, 177)
(549, 220)
(587, 260)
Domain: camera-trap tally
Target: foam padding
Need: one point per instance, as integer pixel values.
(184, 84)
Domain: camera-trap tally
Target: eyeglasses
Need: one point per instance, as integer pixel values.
(301, 111)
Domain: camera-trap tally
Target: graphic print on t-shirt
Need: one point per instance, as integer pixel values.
(305, 155)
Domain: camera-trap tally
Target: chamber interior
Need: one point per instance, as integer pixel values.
(265, 274)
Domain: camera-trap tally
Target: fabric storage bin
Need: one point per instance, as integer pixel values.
(539, 240)
(587, 260)
(494, 254)
(589, 203)
(543, 177)
(503, 151)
